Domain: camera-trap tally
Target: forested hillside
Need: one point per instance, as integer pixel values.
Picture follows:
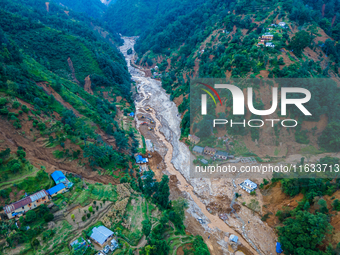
(131, 17)
(65, 100)
(93, 8)
(47, 50)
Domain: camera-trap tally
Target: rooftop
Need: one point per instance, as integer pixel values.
(57, 175)
(250, 184)
(56, 188)
(209, 149)
(233, 238)
(140, 159)
(194, 138)
(198, 149)
(204, 161)
(25, 201)
(222, 153)
(101, 234)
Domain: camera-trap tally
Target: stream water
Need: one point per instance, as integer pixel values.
(167, 130)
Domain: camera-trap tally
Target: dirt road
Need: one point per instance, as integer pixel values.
(167, 119)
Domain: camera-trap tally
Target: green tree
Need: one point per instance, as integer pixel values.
(149, 186)
(15, 168)
(306, 206)
(330, 137)
(300, 41)
(21, 153)
(323, 206)
(179, 205)
(146, 227)
(48, 217)
(336, 205)
(161, 197)
(303, 233)
(30, 216)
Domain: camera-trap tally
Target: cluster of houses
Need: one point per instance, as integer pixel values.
(30, 202)
(212, 152)
(267, 37)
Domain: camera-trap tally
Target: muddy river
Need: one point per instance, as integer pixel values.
(167, 130)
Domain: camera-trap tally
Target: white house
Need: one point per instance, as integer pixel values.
(282, 24)
(269, 44)
(248, 186)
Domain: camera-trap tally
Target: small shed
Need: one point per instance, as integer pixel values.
(78, 243)
(233, 238)
(132, 114)
(204, 161)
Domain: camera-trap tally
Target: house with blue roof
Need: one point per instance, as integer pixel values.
(101, 234)
(132, 114)
(141, 160)
(58, 177)
(58, 189)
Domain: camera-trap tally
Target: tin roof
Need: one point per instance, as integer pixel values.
(194, 138)
(56, 188)
(57, 175)
(101, 234)
(204, 161)
(209, 149)
(250, 184)
(25, 201)
(222, 153)
(38, 195)
(198, 149)
(233, 238)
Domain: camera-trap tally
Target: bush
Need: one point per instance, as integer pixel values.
(265, 217)
(88, 215)
(16, 105)
(41, 126)
(83, 218)
(30, 216)
(24, 108)
(48, 217)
